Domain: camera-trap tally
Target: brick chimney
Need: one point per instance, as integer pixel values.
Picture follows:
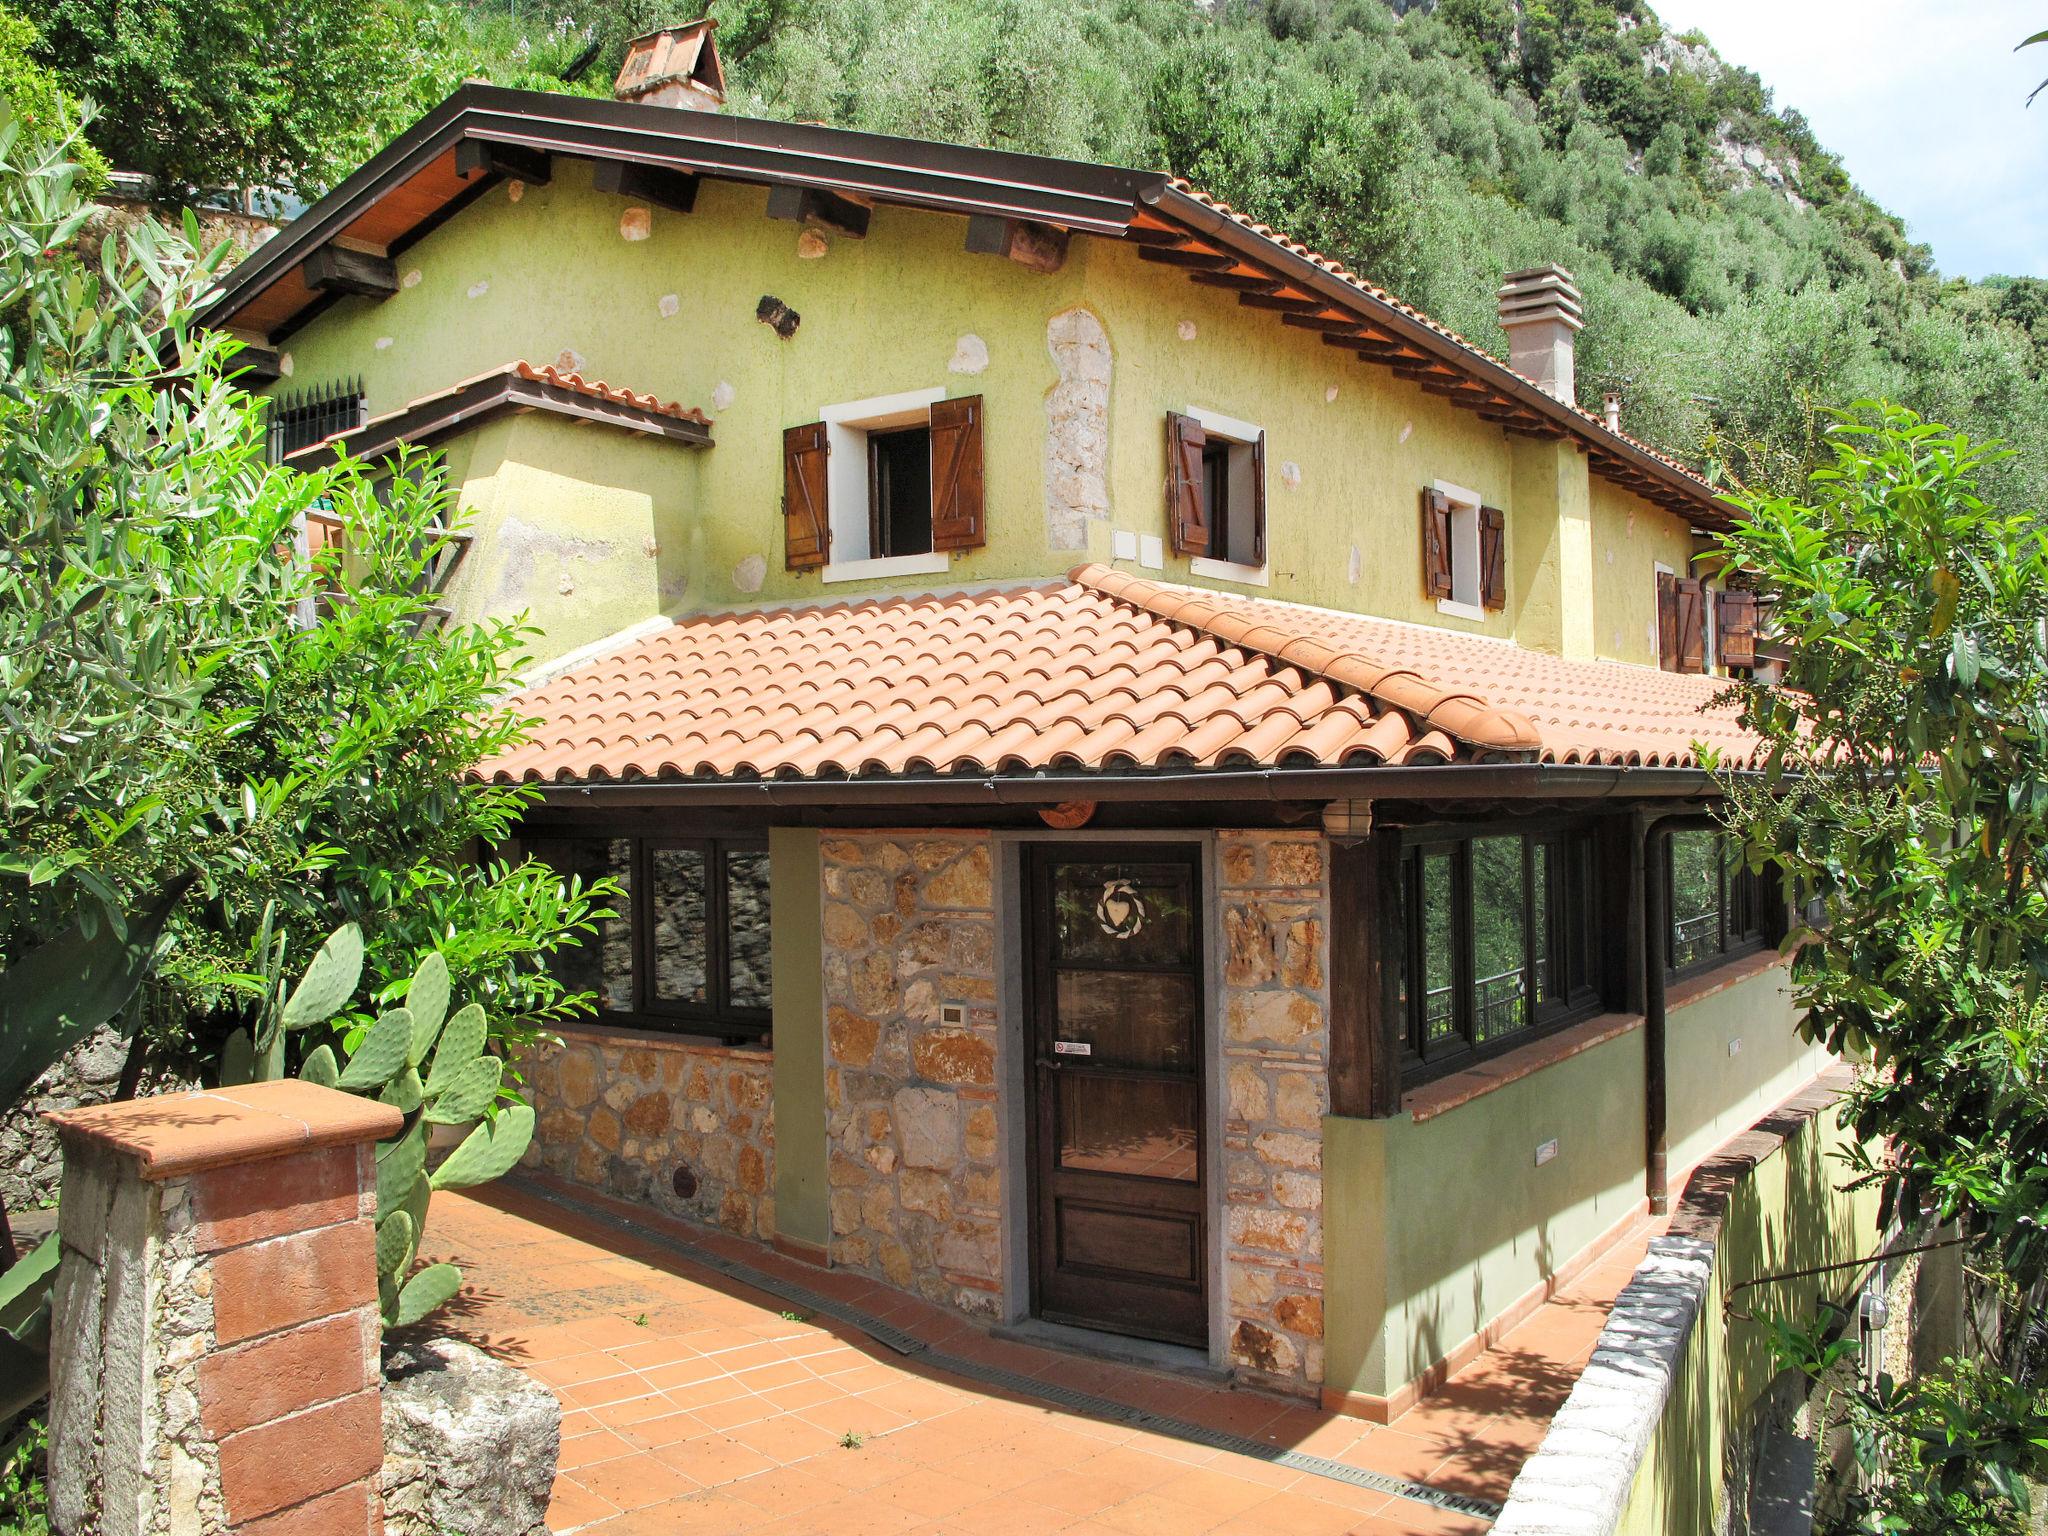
(674, 67)
(1541, 311)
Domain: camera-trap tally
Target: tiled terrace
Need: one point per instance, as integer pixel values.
(694, 1403)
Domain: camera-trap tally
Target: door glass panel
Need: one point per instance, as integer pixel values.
(680, 953)
(1500, 1000)
(1127, 1125)
(746, 920)
(1128, 1019)
(1124, 913)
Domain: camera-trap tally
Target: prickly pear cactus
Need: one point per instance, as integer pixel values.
(435, 1069)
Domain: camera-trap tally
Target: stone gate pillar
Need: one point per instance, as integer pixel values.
(215, 1333)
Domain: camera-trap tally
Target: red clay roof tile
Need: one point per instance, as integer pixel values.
(1102, 672)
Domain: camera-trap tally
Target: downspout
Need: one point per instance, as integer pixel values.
(1646, 872)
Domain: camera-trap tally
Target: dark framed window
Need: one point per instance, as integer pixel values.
(299, 419)
(1496, 941)
(1718, 906)
(689, 948)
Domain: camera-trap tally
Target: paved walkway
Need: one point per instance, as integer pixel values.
(694, 1403)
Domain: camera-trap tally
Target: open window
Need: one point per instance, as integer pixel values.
(1681, 622)
(1464, 552)
(1216, 494)
(889, 486)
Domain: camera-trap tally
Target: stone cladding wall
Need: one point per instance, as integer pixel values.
(910, 1101)
(1273, 905)
(685, 1125)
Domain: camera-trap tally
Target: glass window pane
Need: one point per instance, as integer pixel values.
(1130, 1019)
(1500, 1002)
(1125, 913)
(1130, 1125)
(679, 888)
(1546, 919)
(746, 924)
(1439, 950)
(603, 962)
(1695, 896)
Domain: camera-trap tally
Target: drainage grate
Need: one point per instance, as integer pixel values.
(803, 1298)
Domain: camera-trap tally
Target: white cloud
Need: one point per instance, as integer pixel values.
(1924, 103)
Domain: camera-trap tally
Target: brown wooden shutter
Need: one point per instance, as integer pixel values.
(806, 525)
(956, 475)
(1735, 620)
(1187, 519)
(1436, 543)
(1493, 561)
(1691, 606)
(1259, 501)
(1667, 621)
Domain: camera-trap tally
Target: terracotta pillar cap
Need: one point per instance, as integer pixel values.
(175, 1134)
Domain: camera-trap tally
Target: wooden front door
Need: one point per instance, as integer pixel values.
(1119, 1189)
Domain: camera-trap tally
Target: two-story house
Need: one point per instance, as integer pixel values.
(1158, 786)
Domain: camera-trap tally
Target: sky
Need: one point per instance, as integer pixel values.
(1924, 100)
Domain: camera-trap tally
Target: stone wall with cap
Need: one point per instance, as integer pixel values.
(1272, 906)
(910, 1063)
(686, 1125)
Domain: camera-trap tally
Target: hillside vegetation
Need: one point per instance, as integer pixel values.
(1737, 283)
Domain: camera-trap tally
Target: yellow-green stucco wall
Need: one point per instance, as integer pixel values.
(1791, 1213)
(550, 278)
(797, 956)
(1433, 1228)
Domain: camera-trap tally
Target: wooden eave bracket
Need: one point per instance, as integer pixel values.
(515, 161)
(1039, 247)
(814, 205)
(336, 268)
(656, 184)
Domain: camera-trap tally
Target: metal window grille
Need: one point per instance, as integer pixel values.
(305, 417)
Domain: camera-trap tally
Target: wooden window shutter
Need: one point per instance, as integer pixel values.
(1493, 563)
(806, 524)
(1667, 621)
(1187, 523)
(1691, 608)
(1735, 620)
(1436, 543)
(1259, 501)
(957, 521)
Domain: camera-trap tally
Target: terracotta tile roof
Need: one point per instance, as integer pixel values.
(1372, 290)
(597, 389)
(468, 404)
(1100, 672)
(1600, 712)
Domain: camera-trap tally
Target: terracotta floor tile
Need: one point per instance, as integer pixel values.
(1411, 1517)
(699, 1514)
(1210, 1488)
(786, 1491)
(573, 1506)
(1388, 1450)
(572, 1370)
(652, 1434)
(1007, 1517)
(733, 1412)
(860, 1516)
(786, 1438)
(714, 1460)
(1153, 1514)
(856, 1415)
(586, 1450)
(799, 1395)
(930, 1492)
(777, 1373)
(1287, 1514)
(634, 1482)
(603, 1393)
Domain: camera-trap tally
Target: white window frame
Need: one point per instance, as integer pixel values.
(1211, 566)
(846, 485)
(1466, 600)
